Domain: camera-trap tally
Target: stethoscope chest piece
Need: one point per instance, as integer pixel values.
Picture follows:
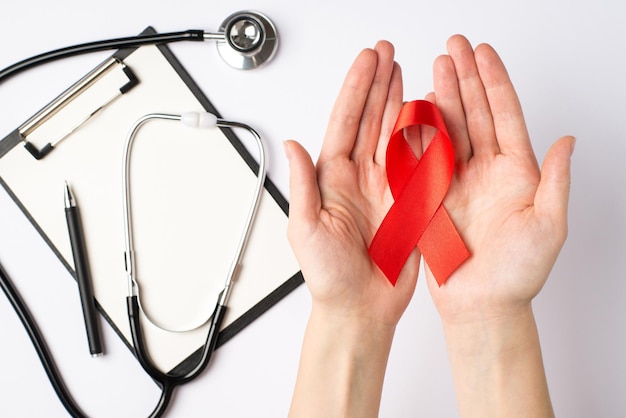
(250, 40)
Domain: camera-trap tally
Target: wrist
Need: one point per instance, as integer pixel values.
(353, 326)
(342, 366)
(497, 366)
(354, 348)
(491, 335)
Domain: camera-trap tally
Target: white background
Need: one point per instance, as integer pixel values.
(567, 60)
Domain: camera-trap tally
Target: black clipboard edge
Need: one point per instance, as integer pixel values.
(9, 142)
(244, 320)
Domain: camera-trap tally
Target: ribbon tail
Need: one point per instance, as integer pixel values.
(442, 246)
(396, 238)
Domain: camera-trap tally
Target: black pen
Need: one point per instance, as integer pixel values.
(82, 273)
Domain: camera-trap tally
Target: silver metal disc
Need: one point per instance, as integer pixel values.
(250, 40)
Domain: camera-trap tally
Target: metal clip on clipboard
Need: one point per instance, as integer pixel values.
(66, 97)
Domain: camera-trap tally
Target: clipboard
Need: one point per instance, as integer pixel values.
(191, 190)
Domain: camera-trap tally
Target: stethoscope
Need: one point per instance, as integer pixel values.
(245, 40)
(168, 381)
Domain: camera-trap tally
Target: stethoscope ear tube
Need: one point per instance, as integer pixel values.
(139, 344)
(166, 381)
(202, 120)
(134, 319)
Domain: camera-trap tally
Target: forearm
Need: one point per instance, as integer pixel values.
(342, 367)
(497, 367)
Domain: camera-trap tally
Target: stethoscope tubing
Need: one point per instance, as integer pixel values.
(39, 344)
(104, 45)
(168, 381)
(129, 254)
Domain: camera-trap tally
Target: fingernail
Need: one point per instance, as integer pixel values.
(572, 146)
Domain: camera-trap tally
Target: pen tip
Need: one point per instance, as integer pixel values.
(68, 197)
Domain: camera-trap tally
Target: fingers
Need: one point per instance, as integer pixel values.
(354, 128)
(451, 106)
(389, 117)
(506, 110)
(376, 104)
(478, 101)
(470, 90)
(303, 188)
(345, 118)
(552, 196)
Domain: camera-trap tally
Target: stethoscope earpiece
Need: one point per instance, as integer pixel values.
(250, 40)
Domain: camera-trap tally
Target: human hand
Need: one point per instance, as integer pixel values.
(335, 210)
(512, 217)
(337, 206)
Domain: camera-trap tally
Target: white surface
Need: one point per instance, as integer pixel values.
(567, 60)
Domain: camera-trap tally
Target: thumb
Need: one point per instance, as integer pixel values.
(304, 191)
(551, 199)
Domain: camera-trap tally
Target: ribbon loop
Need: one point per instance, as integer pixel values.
(417, 217)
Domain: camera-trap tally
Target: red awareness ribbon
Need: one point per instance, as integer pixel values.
(417, 217)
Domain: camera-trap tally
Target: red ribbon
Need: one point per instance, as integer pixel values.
(417, 217)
